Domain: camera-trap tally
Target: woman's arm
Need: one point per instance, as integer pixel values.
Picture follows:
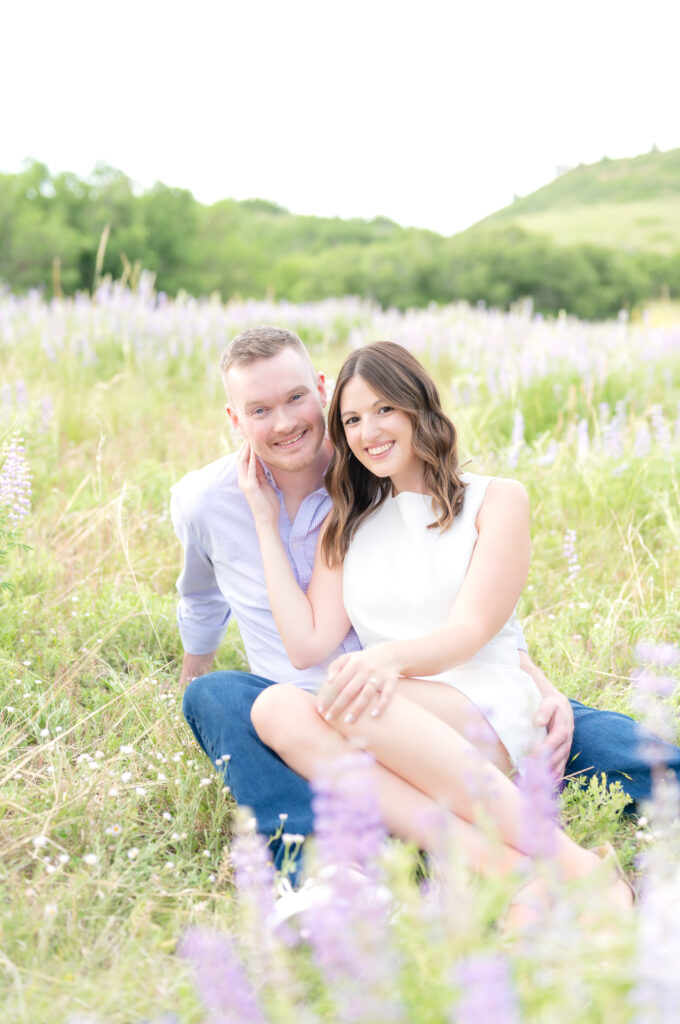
(491, 588)
(311, 625)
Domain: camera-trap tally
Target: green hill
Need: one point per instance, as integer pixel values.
(631, 204)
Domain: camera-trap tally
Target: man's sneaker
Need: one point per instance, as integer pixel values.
(322, 889)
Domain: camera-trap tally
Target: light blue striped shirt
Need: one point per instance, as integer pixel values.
(223, 572)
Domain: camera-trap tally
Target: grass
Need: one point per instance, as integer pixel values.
(115, 832)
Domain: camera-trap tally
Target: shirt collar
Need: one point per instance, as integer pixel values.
(270, 477)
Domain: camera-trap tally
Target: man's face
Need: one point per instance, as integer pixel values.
(277, 405)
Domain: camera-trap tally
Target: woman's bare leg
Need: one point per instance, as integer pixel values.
(286, 719)
(437, 760)
(457, 711)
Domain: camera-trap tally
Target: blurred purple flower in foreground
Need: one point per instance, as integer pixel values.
(253, 869)
(487, 993)
(220, 980)
(569, 551)
(656, 994)
(653, 686)
(15, 481)
(537, 785)
(349, 930)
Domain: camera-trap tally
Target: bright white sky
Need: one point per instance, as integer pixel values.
(430, 112)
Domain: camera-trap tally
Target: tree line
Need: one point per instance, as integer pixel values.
(61, 233)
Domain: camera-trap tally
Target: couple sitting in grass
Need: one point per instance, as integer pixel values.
(374, 585)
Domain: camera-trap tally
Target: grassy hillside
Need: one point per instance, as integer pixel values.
(628, 204)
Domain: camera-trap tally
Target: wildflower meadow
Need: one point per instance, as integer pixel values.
(132, 888)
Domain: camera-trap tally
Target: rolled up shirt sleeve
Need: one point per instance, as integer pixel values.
(521, 640)
(202, 612)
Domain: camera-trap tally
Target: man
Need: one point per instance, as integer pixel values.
(275, 400)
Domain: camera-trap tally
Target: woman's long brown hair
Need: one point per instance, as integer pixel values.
(397, 376)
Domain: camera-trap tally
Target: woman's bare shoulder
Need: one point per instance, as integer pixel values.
(504, 496)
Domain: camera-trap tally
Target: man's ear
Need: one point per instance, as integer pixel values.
(233, 418)
(321, 388)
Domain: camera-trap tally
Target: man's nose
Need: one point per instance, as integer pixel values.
(283, 418)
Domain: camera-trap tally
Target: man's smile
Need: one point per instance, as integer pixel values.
(291, 440)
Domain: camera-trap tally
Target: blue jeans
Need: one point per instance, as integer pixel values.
(217, 707)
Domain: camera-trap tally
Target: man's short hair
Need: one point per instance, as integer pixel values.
(258, 343)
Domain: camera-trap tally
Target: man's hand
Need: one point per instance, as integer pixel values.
(194, 665)
(260, 494)
(554, 712)
(556, 715)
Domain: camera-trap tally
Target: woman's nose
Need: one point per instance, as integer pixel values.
(370, 429)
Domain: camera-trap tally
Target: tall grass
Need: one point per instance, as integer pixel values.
(115, 834)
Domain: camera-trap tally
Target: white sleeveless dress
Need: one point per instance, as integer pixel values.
(400, 581)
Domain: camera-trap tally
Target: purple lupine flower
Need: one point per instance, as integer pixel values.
(487, 994)
(15, 481)
(661, 428)
(349, 928)
(656, 993)
(254, 871)
(348, 827)
(537, 786)
(20, 394)
(220, 979)
(549, 455)
(612, 432)
(643, 441)
(569, 551)
(652, 688)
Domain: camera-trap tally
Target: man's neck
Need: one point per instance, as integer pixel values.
(296, 486)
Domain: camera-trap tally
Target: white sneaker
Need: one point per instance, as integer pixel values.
(321, 889)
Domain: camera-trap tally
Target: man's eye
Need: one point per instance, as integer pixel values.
(294, 398)
(258, 411)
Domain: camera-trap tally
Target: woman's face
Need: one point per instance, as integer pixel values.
(380, 436)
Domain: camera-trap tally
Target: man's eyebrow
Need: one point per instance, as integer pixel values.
(254, 404)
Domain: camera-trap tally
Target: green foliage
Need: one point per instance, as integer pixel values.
(53, 227)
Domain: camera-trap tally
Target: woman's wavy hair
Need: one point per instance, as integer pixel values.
(404, 383)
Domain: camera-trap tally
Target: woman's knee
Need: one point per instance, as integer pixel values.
(275, 713)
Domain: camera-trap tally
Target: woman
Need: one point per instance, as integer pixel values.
(427, 565)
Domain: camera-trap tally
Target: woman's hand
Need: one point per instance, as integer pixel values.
(358, 681)
(260, 495)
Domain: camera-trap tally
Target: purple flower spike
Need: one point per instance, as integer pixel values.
(15, 481)
(253, 869)
(539, 811)
(349, 929)
(219, 977)
(487, 992)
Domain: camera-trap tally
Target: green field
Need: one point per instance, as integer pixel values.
(645, 224)
(116, 835)
(630, 204)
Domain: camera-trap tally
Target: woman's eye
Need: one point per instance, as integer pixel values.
(386, 408)
(351, 420)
